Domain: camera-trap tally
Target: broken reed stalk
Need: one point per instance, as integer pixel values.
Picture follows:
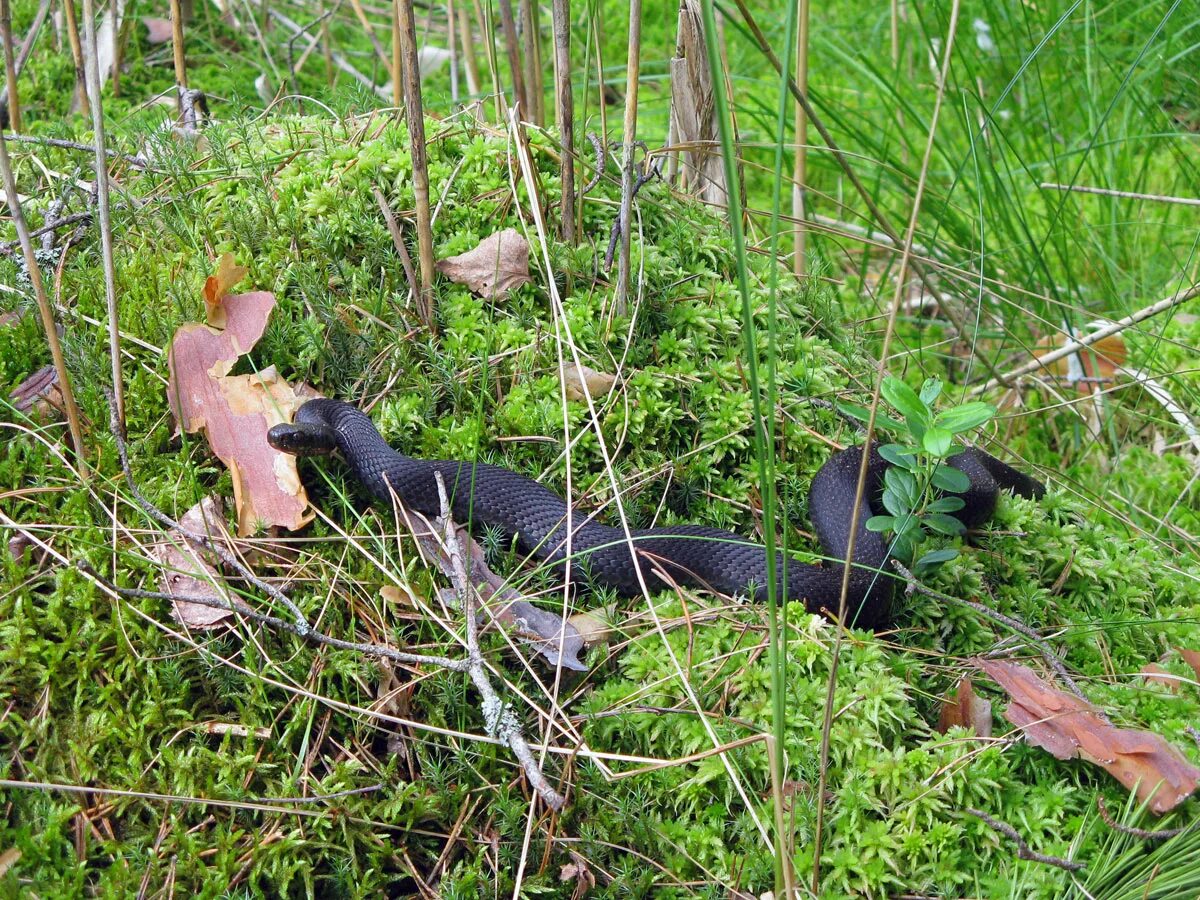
(800, 172)
(466, 42)
(327, 47)
(121, 31)
(103, 207)
(509, 26)
(43, 302)
(10, 66)
(81, 94)
(177, 48)
(416, 133)
(565, 115)
(369, 31)
(533, 63)
(628, 175)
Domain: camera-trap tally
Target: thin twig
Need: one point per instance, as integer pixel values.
(10, 247)
(601, 160)
(1023, 851)
(629, 138)
(499, 719)
(1125, 195)
(73, 145)
(565, 113)
(1143, 833)
(1044, 649)
(10, 66)
(397, 240)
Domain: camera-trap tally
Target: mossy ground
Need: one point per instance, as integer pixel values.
(109, 693)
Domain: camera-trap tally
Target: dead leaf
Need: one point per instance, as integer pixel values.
(186, 571)
(398, 596)
(158, 31)
(8, 859)
(497, 265)
(1070, 728)
(577, 870)
(595, 625)
(235, 412)
(217, 285)
(1192, 658)
(1156, 674)
(581, 382)
(11, 318)
(966, 709)
(39, 394)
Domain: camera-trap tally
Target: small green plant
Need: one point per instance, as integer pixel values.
(916, 486)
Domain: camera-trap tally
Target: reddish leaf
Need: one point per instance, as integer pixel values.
(1192, 658)
(966, 709)
(1156, 674)
(1069, 728)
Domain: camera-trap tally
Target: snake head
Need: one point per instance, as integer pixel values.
(302, 439)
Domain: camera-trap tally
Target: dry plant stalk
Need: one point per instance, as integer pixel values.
(81, 94)
(43, 302)
(104, 207)
(466, 41)
(10, 66)
(177, 49)
(509, 25)
(416, 133)
(533, 63)
(693, 110)
(628, 175)
(565, 114)
(800, 173)
(397, 67)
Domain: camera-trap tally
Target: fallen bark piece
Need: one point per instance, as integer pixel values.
(1070, 728)
(497, 265)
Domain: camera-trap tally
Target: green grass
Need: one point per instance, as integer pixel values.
(108, 693)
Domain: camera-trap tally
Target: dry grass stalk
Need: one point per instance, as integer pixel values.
(565, 114)
(80, 101)
(10, 66)
(628, 174)
(466, 41)
(43, 302)
(397, 67)
(177, 47)
(416, 131)
(507, 23)
(800, 173)
(369, 31)
(535, 90)
(104, 208)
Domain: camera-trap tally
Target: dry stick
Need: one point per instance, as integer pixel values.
(1143, 833)
(10, 66)
(43, 302)
(1125, 195)
(1023, 851)
(1047, 653)
(34, 29)
(514, 56)
(628, 175)
(452, 45)
(177, 48)
(397, 66)
(565, 114)
(397, 241)
(420, 164)
(499, 719)
(860, 490)
(104, 209)
(532, 72)
(800, 171)
(76, 54)
(134, 161)
(467, 42)
(1072, 347)
(369, 30)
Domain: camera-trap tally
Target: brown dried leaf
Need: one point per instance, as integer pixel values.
(966, 709)
(578, 871)
(186, 571)
(499, 264)
(594, 625)
(158, 31)
(8, 859)
(217, 285)
(1156, 674)
(235, 412)
(581, 379)
(1069, 728)
(1192, 658)
(39, 394)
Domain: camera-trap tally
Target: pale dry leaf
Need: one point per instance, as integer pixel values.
(1191, 657)
(187, 571)
(398, 596)
(581, 381)
(497, 265)
(158, 30)
(1156, 674)
(1070, 728)
(8, 859)
(217, 285)
(966, 709)
(594, 625)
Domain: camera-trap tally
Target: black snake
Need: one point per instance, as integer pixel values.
(694, 555)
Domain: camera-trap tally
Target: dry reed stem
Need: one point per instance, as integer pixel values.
(509, 26)
(416, 133)
(1125, 195)
(76, 45)
(629, 138)
(402, 19)
(531, 59)
(44, 309)
(178, 54)
(10, 66)
(800, 171)
(103, 205)
(860, 490)
(565, 115)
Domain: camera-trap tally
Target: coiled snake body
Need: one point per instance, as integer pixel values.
(693, 555)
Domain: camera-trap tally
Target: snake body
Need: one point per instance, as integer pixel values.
(693, 555)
